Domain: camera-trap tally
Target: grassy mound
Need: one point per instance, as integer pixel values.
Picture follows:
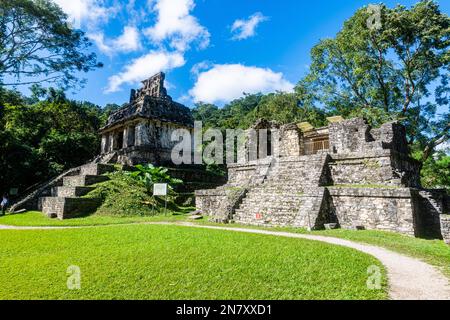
(123, 195)
(170, 262)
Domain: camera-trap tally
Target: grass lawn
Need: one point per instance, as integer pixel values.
(35, 218)
(172, 262)
(435, 252)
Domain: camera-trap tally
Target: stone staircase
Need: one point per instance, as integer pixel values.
(65, 200)
(430, 204)
(278, 200)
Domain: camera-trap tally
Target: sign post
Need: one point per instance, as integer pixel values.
(160, 189)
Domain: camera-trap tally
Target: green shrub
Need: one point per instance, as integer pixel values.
(123, 195)
(148, 174)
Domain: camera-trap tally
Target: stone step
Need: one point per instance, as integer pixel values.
(297, 179)
(265, 219)
(282, 184)
(71, 191)
(83, 180)
(265, 215)
(274, 210)
(278, 213)
(270, 204)
(287, 221)
(263, 202)
(278, 192)
(96, 169)
(275, 193)
(243, 214)
(65, 208)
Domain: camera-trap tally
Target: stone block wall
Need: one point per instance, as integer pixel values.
(373, 208)
(370, 168)
(428, 206)
(221, 203)
(251, 173)
(144, 154)
(66, 208)
(291, 141)
(355, 135)
(384, 167)
(348, 136)
(392, 136)
(445, 228)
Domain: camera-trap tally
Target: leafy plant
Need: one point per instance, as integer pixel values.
(148, 174)
(216, 169)
(124, 195)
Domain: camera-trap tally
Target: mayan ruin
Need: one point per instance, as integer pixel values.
(344, 175)
(217, 160)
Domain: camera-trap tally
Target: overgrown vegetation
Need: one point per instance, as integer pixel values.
(148, 175)
(43, 136)
(130, 193)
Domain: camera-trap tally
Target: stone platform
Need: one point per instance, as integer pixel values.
(66, 201)
(346, 174)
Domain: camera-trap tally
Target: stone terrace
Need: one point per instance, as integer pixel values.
(346, 174)
(66, 200)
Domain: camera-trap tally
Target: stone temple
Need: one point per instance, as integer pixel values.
(346, 174)
(141, 131)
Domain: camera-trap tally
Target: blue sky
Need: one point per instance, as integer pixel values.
(211, 50)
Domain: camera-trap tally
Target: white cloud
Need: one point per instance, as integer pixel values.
(91, 12)
(144, 67)
(445, 147)
(223, 83)
(127, 42)
(198, 67)
(176, 25)
(244, 29)
(99, 40)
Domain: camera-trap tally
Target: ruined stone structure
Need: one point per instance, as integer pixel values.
(346, 173)
(64, 199)
(445, 228)
(141, 131)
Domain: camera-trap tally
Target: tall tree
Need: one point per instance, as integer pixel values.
(388, 64)
(286, 108)
(37, 45)
(40, 140)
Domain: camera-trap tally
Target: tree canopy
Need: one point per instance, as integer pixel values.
(37, 44)
(242, 113)
(41, 139)
(395, 68)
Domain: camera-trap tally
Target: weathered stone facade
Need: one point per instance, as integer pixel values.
(64, 198)
(373, 208)
(141, 131)
(346, 173)
(445, 228)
